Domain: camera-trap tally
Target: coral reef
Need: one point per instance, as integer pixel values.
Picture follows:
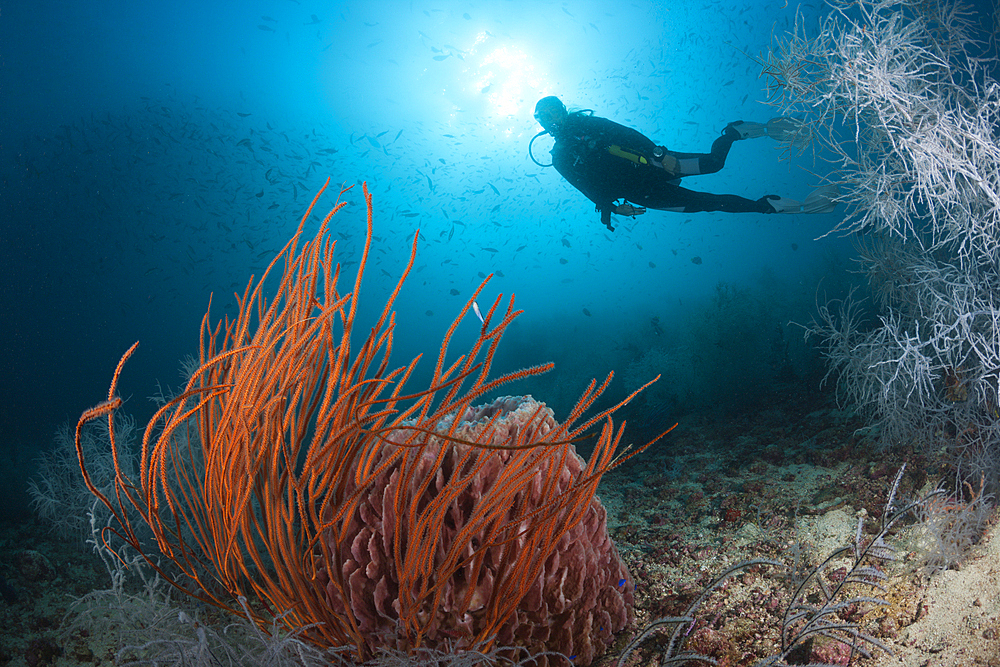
(787, 483)
(260, 476)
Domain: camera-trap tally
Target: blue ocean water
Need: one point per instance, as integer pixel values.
(154, 154)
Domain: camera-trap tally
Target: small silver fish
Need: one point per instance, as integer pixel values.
(479, 314)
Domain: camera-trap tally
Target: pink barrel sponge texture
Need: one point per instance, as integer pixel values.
(580, 597)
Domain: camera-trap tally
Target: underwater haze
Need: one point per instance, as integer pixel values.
(156, 155)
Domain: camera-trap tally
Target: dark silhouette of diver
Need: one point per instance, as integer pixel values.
(607, 161)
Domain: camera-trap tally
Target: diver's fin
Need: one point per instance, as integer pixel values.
(821, 200)
(748, 130)
(783, 204)
(789, 130)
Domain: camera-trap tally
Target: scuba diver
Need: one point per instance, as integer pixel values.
(607, 161)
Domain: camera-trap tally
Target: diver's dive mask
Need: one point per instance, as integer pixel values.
(550, 113)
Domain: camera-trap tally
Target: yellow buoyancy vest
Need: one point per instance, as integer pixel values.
(669, 162)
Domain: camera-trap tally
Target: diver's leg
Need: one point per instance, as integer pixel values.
(705, 201)
(670, 197)
(692, 164)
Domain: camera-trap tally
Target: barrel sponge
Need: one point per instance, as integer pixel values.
(582, 593)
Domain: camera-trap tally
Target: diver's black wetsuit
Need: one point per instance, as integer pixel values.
(607, 161)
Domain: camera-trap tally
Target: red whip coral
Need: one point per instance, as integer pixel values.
(570, 597)
(296, 471)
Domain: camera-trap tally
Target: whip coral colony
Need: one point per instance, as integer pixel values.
(299, 475)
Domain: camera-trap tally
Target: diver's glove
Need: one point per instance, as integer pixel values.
(619, 209)
(629, 209)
